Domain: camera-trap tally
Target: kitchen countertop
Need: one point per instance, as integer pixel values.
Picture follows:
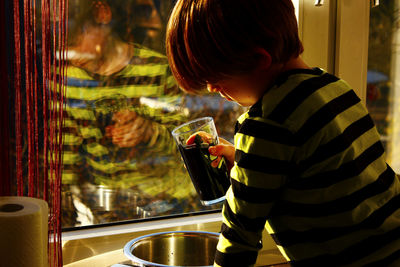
(106, 250)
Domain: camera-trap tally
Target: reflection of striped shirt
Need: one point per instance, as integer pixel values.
(310, 168)
(144, 86)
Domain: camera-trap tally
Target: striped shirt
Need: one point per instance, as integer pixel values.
(145, 86)
(310, 168)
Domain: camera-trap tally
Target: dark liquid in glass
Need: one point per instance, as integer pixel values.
(210, 183)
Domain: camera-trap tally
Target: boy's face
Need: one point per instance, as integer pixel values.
(245, 90)
(232, 90)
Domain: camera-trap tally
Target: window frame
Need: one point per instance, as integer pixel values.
(352, 33)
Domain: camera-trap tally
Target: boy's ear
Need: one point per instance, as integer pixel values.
(264, 58)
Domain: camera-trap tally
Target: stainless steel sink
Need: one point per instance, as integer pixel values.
(177, 248)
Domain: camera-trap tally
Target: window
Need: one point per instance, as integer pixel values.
(383, 77)
(120, 161)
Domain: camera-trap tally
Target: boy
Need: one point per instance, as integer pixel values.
(307, 161)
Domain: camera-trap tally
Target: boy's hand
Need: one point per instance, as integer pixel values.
(129, 129)
(223, 149)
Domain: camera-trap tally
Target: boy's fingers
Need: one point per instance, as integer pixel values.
(206, 137)
(221, 150)
(215, 162)
(226, 151)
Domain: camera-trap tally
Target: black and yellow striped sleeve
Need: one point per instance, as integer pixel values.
(71, 138)
(262, 165)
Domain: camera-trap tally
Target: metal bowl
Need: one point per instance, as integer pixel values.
(177, 248)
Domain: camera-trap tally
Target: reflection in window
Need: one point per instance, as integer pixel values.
(383, 79)
(120, 161)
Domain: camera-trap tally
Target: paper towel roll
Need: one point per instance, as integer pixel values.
(23, 232)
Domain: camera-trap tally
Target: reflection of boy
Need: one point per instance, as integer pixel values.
(308, 163)
(121, 103)
(108, 139)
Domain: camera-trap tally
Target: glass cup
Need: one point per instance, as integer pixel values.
(210, 182)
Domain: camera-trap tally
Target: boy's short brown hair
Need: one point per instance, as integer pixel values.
(211, 39)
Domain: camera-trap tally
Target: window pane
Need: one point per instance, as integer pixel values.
(120, 161)
(383, 78)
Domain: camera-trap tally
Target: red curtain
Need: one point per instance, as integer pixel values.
(4, 107)
(32, 80)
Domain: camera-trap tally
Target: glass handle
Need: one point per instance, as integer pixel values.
(374, 3)
(319, 2)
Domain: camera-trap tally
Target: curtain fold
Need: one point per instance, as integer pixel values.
(31, 121)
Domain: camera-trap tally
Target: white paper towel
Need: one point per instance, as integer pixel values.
(23, 232)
